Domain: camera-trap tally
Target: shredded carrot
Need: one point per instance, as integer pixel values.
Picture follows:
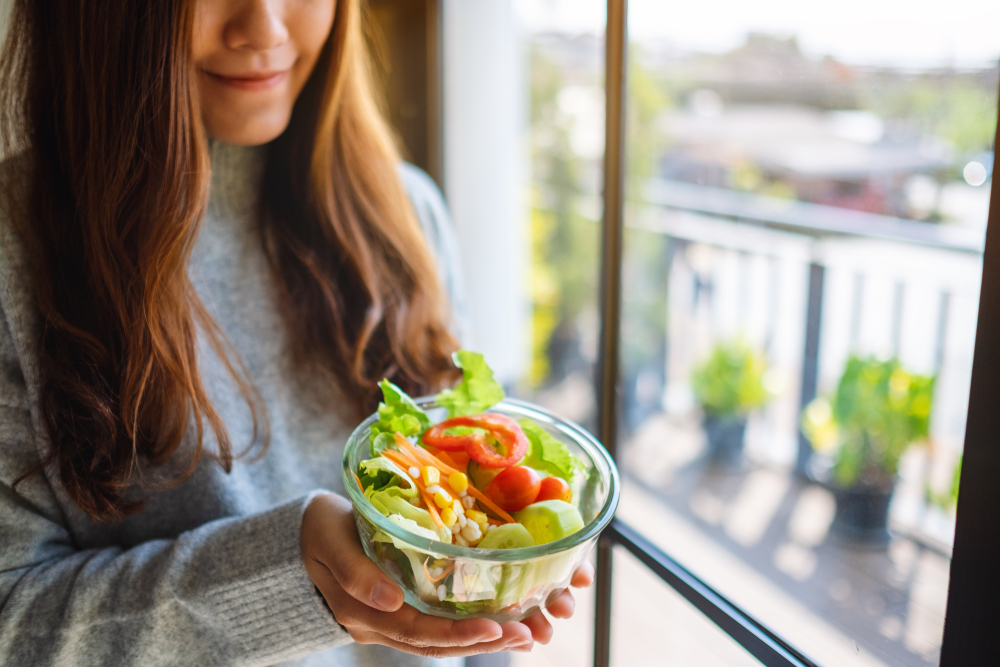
(433, 510)
(475, 493)
(425, 457)
(401, 461)
(443, 457)
(444, 574)
(457, 460)
(358, 480)
(429, 459)
(495, 522)
(405, 462)
(422, 455)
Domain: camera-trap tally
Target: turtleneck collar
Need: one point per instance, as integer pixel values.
(236, 177)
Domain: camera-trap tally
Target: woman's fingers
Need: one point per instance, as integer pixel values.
(583, 576)
(541, 629)
(328, 519)
(513, 643)
(562, 605)
(408, 626)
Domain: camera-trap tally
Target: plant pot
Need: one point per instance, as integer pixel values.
(725, 434)
(862, 515)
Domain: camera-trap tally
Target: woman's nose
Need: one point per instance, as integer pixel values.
(259, 26)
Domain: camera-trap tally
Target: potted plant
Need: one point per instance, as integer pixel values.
(727, 386)
(879, 410)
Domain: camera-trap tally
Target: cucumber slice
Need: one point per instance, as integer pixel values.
(550, 520)
(507, 536)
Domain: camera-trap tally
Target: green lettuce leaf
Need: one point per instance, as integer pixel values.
(378, 473)
(408, 525)
(414, 557)
(476, 392)
(396, 500)
(547, 454)
(381, 442)
(397, 413)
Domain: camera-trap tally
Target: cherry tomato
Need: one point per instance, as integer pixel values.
(554, 488)
(506, 431)
(515, 488)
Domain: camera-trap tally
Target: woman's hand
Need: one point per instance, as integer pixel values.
(370, 605)
(561, 605)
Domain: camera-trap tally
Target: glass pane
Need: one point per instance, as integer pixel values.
(651, 625)
(572, 642)
(808, 197)
(562, 47)
(788, 164)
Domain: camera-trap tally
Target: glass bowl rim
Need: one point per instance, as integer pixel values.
(594, 449)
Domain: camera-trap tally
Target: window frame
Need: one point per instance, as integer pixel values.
(972, 616)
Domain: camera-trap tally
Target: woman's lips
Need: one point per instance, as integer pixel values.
(255, 81)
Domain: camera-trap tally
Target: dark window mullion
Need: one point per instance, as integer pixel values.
(973, 613)
(757, 639)
(760, 642)
(616, 41)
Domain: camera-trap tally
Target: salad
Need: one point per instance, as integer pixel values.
(475, 479)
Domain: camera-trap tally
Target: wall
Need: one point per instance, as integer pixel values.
(485, 167)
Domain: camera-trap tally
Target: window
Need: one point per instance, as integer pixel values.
(792, 229)
(801, 186)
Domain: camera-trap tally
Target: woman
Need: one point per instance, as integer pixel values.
(209, 255)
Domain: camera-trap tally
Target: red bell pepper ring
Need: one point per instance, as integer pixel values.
(505, 430)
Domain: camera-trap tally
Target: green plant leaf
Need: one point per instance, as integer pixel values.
(731, 380)
(476, 392)
(880, 409)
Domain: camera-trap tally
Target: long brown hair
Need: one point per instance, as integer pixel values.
(108, 194)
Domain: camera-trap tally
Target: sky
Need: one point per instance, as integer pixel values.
(914, 33)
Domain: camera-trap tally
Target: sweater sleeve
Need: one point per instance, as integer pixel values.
(231, 592)
(432, 212)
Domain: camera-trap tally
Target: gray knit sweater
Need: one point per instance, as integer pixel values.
(210, 572)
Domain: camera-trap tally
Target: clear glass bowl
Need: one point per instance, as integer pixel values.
(500, 584)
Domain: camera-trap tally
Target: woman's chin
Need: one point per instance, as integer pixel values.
(254, 131)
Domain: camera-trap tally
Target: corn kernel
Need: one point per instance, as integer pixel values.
(448, 517)
(443, 499)
(457, 508)
(431, 475)
(477, 517)
(458, 482)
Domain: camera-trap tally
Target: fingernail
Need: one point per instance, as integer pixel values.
(384, 597)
